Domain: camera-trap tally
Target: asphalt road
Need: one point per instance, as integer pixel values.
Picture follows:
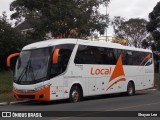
(148, 100)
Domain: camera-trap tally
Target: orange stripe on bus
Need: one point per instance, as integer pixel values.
(120, 80)
(147, 57)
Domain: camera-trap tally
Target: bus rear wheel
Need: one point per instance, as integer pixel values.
(75, 94)
(130, 89)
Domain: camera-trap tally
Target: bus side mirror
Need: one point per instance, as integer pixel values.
(55, 56)
(10, 57)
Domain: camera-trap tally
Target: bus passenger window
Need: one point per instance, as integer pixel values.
(84, 55)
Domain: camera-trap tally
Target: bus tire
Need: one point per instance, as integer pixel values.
(130, 89)
(75, 94)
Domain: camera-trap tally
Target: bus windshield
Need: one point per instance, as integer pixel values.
(32, 66)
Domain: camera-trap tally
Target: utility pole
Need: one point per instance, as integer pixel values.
(106, 21)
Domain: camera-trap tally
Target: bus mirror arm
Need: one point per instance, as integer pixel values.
(55, 56)
(10, 57)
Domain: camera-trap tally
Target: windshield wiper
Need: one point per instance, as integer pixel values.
(23, 72)
(27, 71)
(31, 69)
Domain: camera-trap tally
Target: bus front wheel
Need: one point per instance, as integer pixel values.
(75, 94)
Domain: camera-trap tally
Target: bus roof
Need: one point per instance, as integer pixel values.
(51, 42)
(54, 42)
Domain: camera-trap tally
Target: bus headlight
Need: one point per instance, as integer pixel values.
(42, 87)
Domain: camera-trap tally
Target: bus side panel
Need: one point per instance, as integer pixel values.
(74, 75)
(56, 89)
(149, 76)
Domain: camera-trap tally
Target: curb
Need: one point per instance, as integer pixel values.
(11, 103)
(153, 89)
(4, 103)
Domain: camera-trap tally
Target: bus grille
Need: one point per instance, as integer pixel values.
(26, 96)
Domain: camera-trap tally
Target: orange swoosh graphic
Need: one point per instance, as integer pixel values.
(147, 57)
(120, 80)
(118, 71)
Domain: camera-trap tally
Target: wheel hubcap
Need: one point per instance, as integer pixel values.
(75, 96)
(130, 90)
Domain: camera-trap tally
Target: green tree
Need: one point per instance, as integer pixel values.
(153, 25)
(148, 42)
(116, 23)
(134, 30)
(11, 41)
(61, 17)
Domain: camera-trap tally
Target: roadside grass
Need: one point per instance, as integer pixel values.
(6, 81)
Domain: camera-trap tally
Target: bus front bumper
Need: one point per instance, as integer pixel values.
(42, 95)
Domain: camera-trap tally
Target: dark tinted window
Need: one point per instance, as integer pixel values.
(129, 58)
(85, 55)
(134, 57)
(109, 56)
(145, 59)
(124, 56)
(138, 58)
(94, 55)
(65, 52)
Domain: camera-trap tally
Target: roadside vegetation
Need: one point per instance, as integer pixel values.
(6, 81)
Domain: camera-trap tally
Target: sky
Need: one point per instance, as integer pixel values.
(130, 8)
(124, 8)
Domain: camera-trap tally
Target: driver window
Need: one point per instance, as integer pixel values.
(65, 52)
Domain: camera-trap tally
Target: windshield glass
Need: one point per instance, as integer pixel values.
(32, 66)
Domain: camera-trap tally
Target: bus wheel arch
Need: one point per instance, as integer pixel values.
(76, 93)
(130, 88)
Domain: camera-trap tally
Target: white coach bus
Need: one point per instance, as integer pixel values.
(74, 68)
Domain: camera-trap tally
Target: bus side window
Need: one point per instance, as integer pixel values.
(129, 59)
(136, 58)
(146, 59)
(81, 55)
(85, 55)
(109, 57)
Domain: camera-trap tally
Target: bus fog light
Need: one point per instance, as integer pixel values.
(42, 96)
